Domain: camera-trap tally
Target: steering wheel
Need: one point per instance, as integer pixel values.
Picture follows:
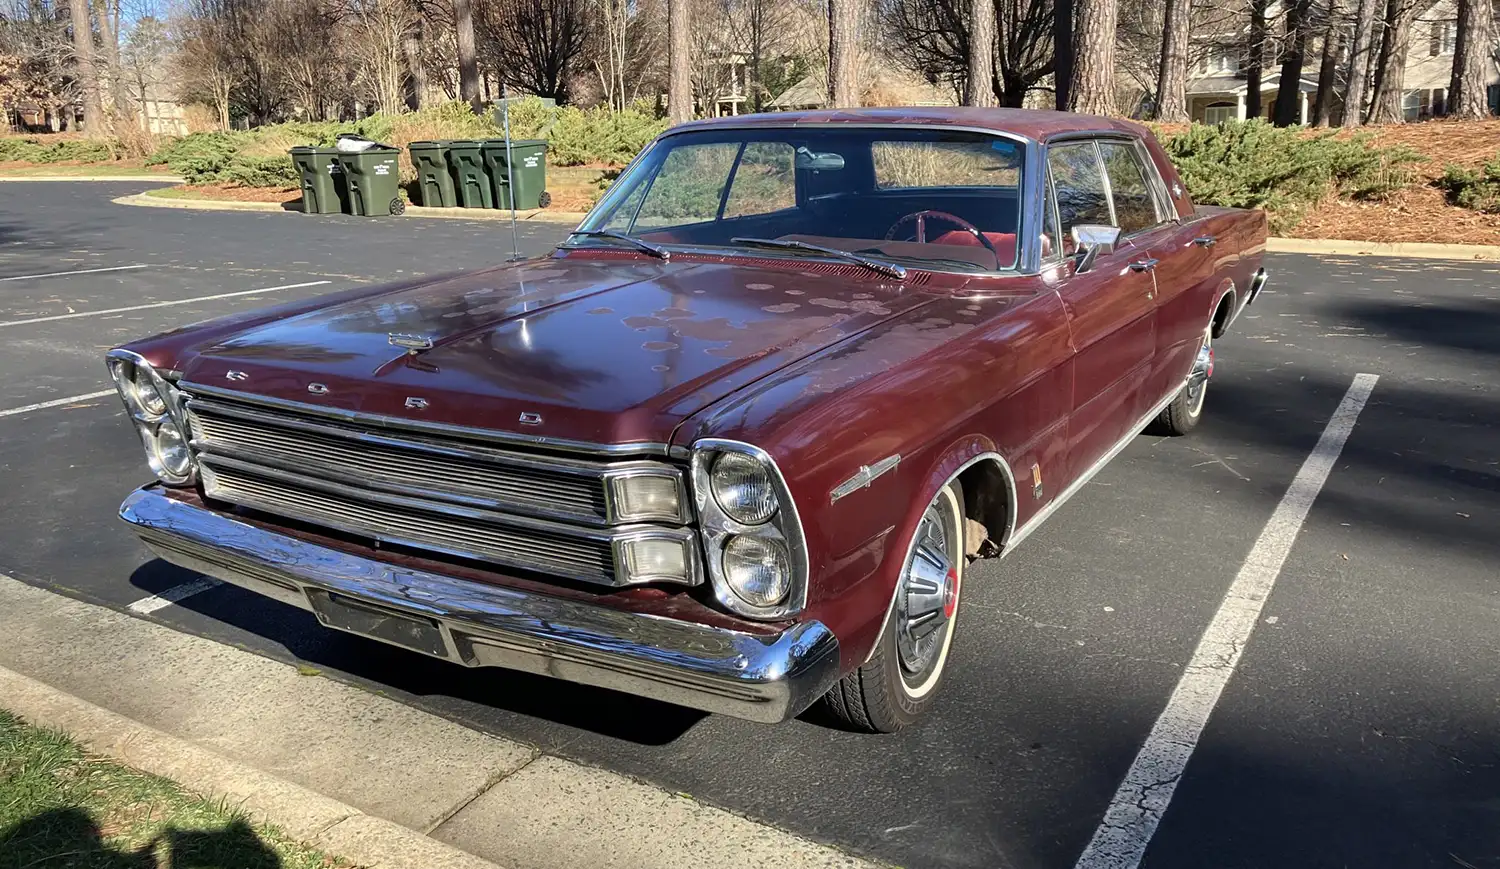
(921, 218)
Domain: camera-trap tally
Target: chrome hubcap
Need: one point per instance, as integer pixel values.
(928, 598)
(1203, 369)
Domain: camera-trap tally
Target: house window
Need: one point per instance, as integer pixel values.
(1219, 61)
(1413, 105)
(1220, 113)
(1494, 93)
(1443, 38)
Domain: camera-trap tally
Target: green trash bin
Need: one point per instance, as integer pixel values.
(474, 188)
(524, 176)
(374, 179)
(434, 174)
(323, 187)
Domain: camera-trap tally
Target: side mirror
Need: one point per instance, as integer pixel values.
(1091, 241)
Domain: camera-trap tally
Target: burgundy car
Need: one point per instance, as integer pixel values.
(732, 443)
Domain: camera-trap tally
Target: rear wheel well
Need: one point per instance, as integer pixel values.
(986, 490)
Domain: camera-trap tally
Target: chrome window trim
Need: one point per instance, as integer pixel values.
(440, 428)
(716, 527)
(613, 539)
(600, 474)
(1028, 213)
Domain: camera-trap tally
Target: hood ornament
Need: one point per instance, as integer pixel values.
(409, 342)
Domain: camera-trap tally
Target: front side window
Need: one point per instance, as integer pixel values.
(919, 196)
(1078, 182)
(1135, 207)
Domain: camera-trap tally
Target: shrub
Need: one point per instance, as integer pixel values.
(34, 149)
(599, 135)
(1476, 189)
(1252, 164)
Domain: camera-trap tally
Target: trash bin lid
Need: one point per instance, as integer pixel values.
(515, 143)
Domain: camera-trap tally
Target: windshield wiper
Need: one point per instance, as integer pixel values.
(871, 263)
(655, 250)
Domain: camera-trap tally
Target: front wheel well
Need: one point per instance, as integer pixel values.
(988, 491)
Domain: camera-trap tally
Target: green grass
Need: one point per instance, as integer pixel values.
(62, 807)
(90, 169)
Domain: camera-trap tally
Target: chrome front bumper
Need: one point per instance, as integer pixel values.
(761, 678)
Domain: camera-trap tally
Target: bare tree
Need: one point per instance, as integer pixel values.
(416, 67)
(1171, 83)
(679, 62)
(1256, 57)
(1360, 55)
(979, 87)
(1288, 110)
(538, 43)
(1333, 43)
(377, 32)
(1467, 97)
(931, 37)
(1390, 64)
(1092, 90)
(35, 38)
(468, 62)
(843, 52)
(206, 68)
(88, 77)
(613, 34)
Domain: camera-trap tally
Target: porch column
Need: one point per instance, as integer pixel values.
(1303, 93)
(1239, 107)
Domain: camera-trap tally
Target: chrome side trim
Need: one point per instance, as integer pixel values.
(439, 428)
(760, 677)
(1010, 524)
(862, 478)
(1025, 530)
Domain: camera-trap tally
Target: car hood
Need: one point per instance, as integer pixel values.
(600, 346)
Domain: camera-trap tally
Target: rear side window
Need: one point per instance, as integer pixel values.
(1078, 182)
(1135, 206)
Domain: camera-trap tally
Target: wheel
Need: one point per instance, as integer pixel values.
(398, 206)
(544, 199)
(899, 681)
(1182, 415)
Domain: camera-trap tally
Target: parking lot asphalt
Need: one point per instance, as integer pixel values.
(1361, 726)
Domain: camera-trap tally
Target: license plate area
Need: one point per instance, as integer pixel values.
(357, 617)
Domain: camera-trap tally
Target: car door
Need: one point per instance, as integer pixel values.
(1181, 267)
(1110, 308)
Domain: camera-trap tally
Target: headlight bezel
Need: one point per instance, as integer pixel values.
(783, 527)
(132, 373)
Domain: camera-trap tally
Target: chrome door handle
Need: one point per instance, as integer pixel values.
(1205, 241)
(1146, 265)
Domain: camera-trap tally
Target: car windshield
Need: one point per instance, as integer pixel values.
(936, 199)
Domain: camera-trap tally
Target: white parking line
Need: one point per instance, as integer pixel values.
(78, 272)
(148, 605)
(1141, 801)
(57, 402)
(161, 304)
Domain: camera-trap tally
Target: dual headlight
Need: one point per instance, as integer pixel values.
(155, 406)
(752, 538)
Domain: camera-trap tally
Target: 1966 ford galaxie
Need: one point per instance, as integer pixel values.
(732, 444)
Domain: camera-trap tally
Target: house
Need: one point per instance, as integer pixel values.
(1217, 89)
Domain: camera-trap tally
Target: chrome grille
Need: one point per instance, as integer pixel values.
(590, 560)
(369, 476)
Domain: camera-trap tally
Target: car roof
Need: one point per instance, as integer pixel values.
(1036, 124)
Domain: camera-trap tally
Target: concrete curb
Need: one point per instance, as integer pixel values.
(536, 215)
(166, 179)
(1411, 249)
(309, 817)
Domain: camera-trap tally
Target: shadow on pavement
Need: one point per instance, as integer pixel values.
(69, 837)
(1471, 328)
(608, 713)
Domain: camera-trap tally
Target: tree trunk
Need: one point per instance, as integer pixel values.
(108, 70)
(843, 50)
(416, 80)
(1468, 98)
(1062, 52)
(1328, 70)
(679, 62)
(1390, 66)
(979, 87)
(1358, 72)
(1288, 112)
(88, 74)
(1093, 86)
(1257, 59)
(1171, 79)
(468, 62)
